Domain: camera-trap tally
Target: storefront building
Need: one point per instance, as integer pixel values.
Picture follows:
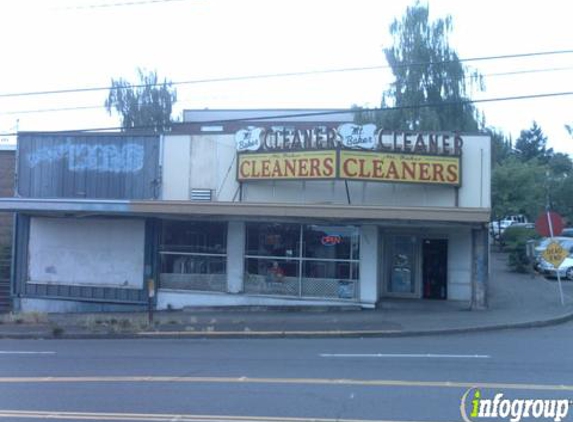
(301, 213)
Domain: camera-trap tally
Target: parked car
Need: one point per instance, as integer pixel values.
(567, 232)
(497, 227)
(544, 267)
(565, 269)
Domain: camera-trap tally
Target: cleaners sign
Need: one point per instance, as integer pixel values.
(352, 152)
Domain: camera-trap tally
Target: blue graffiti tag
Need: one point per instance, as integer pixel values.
(126, 158)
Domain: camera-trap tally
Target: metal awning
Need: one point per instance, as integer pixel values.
(157, 208)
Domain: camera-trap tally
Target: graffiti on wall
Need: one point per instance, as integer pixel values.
(110, 158)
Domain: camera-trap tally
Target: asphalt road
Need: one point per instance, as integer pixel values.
(403, 379)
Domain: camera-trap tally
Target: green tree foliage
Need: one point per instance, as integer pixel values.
(431, 86)
(532, 143)
(515, 240)
(559, 183)
(500, 146)
(560, 165)
(518, 188)
(145, 105)
(528, 178)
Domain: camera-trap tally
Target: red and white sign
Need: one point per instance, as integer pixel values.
(547, 221)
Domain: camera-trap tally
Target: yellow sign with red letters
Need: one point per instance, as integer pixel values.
(388, 167)
(350, 165)
(318, 165)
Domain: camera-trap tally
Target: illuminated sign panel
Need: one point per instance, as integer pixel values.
(388, 167)
(318, 165)
(348, 152)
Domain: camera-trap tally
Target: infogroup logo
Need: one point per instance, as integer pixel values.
(475, 407)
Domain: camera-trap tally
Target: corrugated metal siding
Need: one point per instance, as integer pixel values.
(98, 166)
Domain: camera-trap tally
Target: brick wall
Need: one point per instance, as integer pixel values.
(7, 163)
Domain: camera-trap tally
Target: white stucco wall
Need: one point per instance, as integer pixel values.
(204, 161)
(211, 164)
(235, 256)
(176, 167)
(369, 268)
(459, 264)
(170, 299)
(94, 252)
(476, 173)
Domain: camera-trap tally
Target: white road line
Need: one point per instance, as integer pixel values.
(158, 417)
(402, 355)
(24, 352)
(288, 381)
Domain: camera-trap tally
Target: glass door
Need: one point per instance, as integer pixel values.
(401, 270)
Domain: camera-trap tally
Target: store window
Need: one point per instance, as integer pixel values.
(302, 260)
(330, 261)
(193, 255)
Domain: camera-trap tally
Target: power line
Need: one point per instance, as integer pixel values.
(324, 113)
(528, 71)
(93, 107)
(287, 74)
(118, 4)
(50, 110)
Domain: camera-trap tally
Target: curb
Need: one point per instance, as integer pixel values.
(286, 333)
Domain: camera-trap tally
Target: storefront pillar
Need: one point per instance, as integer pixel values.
(235, 256)
(368, 266)
(480, 270)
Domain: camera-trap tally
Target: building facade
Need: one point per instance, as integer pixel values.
(282, 213)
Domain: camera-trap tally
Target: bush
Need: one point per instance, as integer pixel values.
(515, 242)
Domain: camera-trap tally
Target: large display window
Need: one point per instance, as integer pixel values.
(302, 260)
(193, 255)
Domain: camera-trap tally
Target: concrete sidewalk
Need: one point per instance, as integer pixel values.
(515, 300)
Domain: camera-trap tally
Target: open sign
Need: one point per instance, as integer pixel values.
(331, 239)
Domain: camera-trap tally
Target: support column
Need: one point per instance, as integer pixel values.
(235, 256)
(480, 268)
(368, 266)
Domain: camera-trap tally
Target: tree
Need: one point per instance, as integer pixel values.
(524, 181)
(518, 188)
(431, 84)
(146, 105)
(560, 165)
(532, 143)
(500, 146)
(560, 185)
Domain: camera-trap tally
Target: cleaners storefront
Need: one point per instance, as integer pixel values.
(297, 213)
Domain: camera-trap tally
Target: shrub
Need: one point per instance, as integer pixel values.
(515, 243)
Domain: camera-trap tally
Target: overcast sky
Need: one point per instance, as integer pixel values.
(60, 44)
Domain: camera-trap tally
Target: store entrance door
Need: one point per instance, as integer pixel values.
(435, 268)
(402, 267)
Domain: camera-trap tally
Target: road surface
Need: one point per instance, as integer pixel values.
(401, 379)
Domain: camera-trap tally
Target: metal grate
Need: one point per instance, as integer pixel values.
(329, 288)
(258, 284)
(5, 265)
(201, 194)
(197, 282)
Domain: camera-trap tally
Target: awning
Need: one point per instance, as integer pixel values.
(150, 208)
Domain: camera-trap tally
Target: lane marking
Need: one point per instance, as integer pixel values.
(402, 355)
(23, 352)
(263, 333)
(160, 417)
(305, 381)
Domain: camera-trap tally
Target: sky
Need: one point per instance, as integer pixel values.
(67, 44)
